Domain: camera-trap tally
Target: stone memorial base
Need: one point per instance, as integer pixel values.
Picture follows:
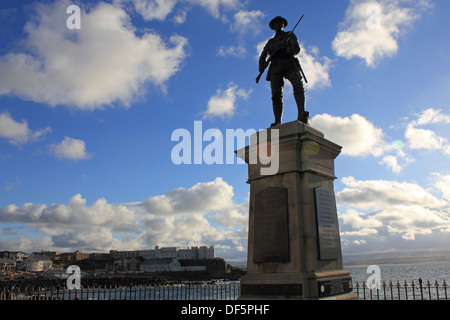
(294, 249)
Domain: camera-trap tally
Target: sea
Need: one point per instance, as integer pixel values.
(394, 274)
(427, 271)
(401, 281)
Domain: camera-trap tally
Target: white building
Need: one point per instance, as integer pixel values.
(192, 253)
(155, 265)
(167, 264)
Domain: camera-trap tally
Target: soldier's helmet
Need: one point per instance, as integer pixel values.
(283, 20)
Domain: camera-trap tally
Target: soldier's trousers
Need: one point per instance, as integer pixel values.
(277, 86)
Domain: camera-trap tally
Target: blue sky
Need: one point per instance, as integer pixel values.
(87, 116)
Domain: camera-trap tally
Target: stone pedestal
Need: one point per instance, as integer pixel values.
(294, 249)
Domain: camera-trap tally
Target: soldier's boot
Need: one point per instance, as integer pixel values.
(278, 113)
(303, 115)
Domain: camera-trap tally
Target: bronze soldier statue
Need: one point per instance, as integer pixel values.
(281, 50)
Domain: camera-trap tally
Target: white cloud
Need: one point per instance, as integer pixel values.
(247, 21)
(392, 163)
(58, 218)
(70, 148)
(377, 194)
(215, 7)
(215, 198)
(259, 48)
(152, 9)
(418, 138)
(374, 210)
(235, 51)
(425, 139)
(442, 184)
(101, 64)
(161, 9)
(316, 68)
(181, 16)
(18, 133)
(204, 214)
(204, 197)
(26, 244)
(223, 102)
(357, 135)
(371, 28)
(431, 116)
(245, 24)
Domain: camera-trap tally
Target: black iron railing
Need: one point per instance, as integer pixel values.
(403, 291)
(185, 291)
(419, 290)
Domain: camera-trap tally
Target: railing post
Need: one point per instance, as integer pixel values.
(406, 290)
(364, 290)
(429, 289)
(445, 289)
(421, 288)
(390, 286)
(436, 284)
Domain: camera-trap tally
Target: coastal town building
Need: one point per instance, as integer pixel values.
(167, 265)
(160, 259)
(125, 264)
(17, 256)
(158, 265)
(37, 262)
(192, 253)
(7, 265)
(59, 255)
(157, 259)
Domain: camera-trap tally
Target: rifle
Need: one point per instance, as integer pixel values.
(276, 51)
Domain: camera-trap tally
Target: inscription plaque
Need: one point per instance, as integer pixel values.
(335, 287)
(327, 223)
(271, 238)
